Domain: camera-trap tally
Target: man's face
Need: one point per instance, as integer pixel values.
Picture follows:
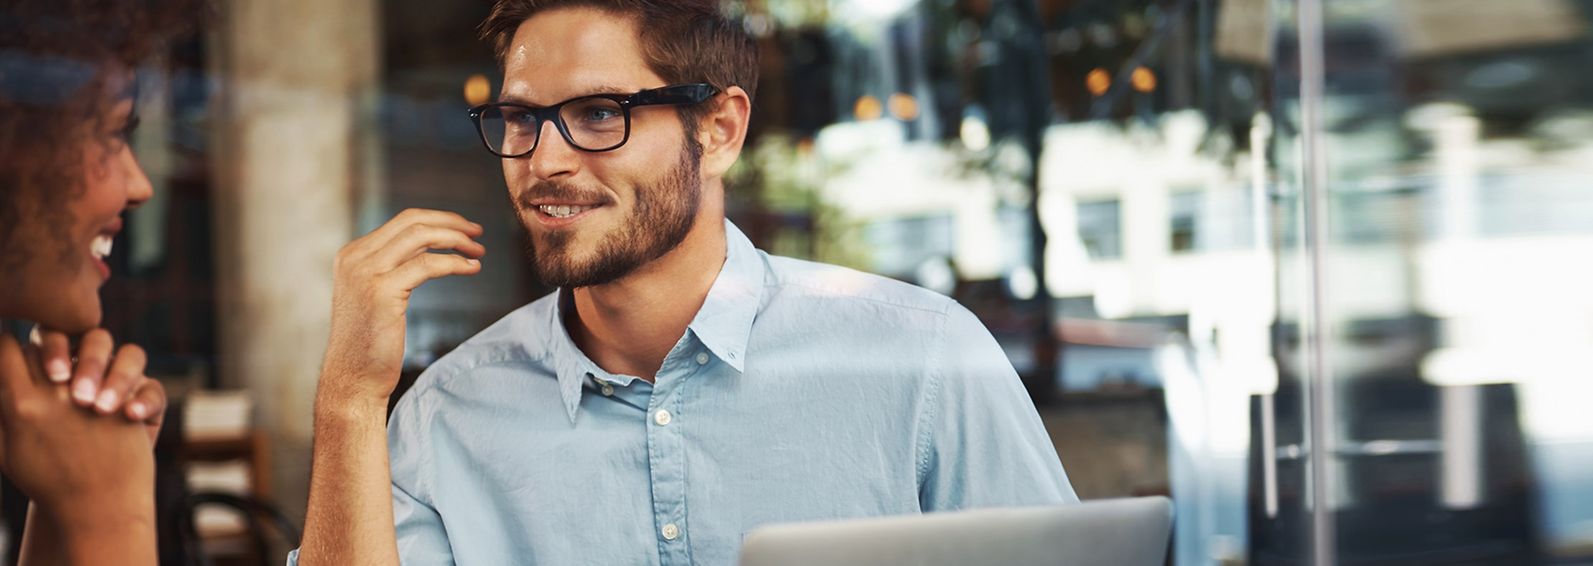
(596, 217)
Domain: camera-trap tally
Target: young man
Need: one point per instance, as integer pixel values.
(681, 388)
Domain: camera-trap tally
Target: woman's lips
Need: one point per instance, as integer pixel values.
(102, 245)
(99, 250)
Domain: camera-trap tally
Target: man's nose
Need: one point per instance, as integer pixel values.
(554, 157)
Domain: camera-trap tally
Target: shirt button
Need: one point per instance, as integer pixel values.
(670, 531)
(662, 417)
(702, 359)
(608, 390)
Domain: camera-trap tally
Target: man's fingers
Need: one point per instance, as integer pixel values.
(431, 266)
(56, 351)
(125, 375)
(148, 406)
(419, 238)
(379, 238)
(93, 359)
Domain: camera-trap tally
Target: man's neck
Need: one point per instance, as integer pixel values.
(628, 326)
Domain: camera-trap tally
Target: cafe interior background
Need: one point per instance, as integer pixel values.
(1316, 270)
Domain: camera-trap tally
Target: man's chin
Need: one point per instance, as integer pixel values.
(560, 264)
(569, 234)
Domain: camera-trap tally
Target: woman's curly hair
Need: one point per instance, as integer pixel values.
(56, 58)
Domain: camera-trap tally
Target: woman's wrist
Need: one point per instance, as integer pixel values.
(129, 542)
(132, 506)
(115, 530)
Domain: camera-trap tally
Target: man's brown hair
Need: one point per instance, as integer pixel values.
(683, 41)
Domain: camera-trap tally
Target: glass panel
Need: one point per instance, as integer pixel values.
(1281, 523)
(1455, 136)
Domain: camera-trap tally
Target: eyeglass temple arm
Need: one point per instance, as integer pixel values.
(679, 94)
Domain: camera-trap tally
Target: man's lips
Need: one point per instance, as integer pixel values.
(563, 210)
(562, 207)
(565, 201)
(561, 214)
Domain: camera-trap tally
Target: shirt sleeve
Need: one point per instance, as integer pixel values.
(422, 538)
(983, 443)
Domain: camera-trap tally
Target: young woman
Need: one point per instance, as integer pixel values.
(81, 450)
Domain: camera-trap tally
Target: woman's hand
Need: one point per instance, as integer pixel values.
(101, 382)
(79, 529)
(87, 473)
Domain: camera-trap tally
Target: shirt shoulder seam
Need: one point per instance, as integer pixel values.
(422, 391)
(942, 309)
(422, 418)
(479, 358)
(931, 399)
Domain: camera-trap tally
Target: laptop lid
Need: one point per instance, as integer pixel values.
(1113, 532)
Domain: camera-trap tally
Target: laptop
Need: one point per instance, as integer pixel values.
(1110, 532)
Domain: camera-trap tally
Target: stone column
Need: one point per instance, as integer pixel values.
(291, 141)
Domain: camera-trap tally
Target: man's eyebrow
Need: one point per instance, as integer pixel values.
(604, 89)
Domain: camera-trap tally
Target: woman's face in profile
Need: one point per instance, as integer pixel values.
(65, 266)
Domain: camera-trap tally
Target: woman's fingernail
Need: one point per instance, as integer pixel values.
(139, 410)
(59, 371)
(83, 391)
(107, 402)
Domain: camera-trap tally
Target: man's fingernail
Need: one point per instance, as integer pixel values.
(83, 391)
(107, 402)
(59, 371)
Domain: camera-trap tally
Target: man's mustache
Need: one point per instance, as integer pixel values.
(562, 192)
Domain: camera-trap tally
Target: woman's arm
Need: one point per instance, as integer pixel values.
(91, 477)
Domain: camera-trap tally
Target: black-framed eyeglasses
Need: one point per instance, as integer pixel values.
(598, 122)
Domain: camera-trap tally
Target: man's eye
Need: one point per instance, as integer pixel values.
(518, 117)
(599, 114)
(592, 111)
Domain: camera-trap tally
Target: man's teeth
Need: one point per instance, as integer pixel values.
(102, 247)
(563, 211)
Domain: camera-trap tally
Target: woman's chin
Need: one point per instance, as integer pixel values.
(63, 301)
(74, 317)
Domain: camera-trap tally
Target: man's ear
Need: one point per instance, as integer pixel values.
(723, 131)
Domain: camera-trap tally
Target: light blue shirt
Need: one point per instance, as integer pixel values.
(800, 392)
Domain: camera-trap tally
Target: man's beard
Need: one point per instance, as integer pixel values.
(664, 213)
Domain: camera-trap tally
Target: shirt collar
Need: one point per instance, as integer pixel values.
(723, 324)
(567, 360)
